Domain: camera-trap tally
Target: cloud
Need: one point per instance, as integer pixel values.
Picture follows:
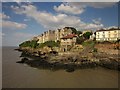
(13, 25)
(101, 4)
(10, 24)
(93, 26)
(51, 21)
(48, 20)
(90, 0)
(97, 21)
(26, 19)
(3, 16)
(66, 8)
(92, 4)
(18, 1)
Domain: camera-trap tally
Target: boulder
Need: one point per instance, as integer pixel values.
(23, 60)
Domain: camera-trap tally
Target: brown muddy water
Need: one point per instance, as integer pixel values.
(16, 75)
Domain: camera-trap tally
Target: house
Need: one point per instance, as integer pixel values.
(34, 38)
(46, 36)
(67, 42)
(54, 35)
(112, 34)
(57, 35)
(40, 38)
(92, 37)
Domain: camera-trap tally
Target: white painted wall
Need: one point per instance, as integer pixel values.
(111, 35)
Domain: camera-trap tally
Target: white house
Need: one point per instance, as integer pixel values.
(112, 34)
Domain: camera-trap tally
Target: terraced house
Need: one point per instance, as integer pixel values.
(112, 34)
(54, 35)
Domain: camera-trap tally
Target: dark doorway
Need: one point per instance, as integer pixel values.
(64, 50)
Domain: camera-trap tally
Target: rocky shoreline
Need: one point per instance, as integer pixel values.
(68, 61)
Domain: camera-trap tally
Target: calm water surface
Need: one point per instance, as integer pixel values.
(22, 76)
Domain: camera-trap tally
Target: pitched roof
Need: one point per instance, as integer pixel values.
(69, 36)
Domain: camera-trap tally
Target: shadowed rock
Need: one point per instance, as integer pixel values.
(23, 60)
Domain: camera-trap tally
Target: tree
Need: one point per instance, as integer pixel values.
(79, 32)
(49, 44)
(87, 35)
(80, 39)
(32, 44)
(74, 30)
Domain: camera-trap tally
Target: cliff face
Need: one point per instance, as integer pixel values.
(98, 54)
(107, 48)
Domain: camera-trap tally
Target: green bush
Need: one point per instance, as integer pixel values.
(75, 31)
(32, 44)
(95, 50)
(80, 40)
(87, 35)
(79, 32)
(49, 44)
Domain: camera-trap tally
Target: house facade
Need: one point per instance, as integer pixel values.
(40, 38)
(57, 35)
(67, 42)
(107, 35)
(54, 35)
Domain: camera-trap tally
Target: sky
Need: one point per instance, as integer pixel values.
(23, 20)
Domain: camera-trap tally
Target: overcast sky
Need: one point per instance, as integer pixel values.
(22, 21)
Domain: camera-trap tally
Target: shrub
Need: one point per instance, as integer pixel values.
(49, 44)
(75, 31)
(79, 32)
(32, 44)
(80, 40)
(87, 35)
(95, 50)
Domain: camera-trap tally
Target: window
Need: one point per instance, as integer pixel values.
(115, 35)
(103, 36)
(98, 36)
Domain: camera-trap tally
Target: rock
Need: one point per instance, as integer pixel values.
(18, 49)
(110, 64)
(47, 58)
(70, 68)
(53, 53)
(23, 60)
